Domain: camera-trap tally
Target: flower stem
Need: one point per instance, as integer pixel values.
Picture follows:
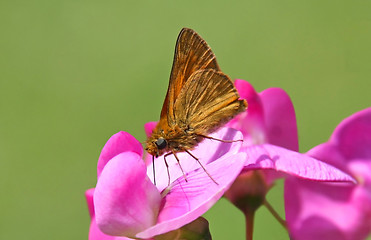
(275, 214)
(249, 218)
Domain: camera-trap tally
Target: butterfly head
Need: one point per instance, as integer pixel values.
(157, 147)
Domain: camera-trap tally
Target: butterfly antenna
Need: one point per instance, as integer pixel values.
(202, 166)
(220, 140)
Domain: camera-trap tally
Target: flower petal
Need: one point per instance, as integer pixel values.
(251, 122)
(246, 90)
(330, 154)
(332, 210)
(353, 135)
(361, 169)
(118, 143)
(280, 120)
(268, 156)
(96, 234)
(326, 210)
(125, 201)
(207, 151)
(195, 230)
(89, 200)
(148, 128)
(186, 201)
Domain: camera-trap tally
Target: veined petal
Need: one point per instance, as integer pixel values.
(126, 202)
(280, 119)
(186, 201)
(330, 154)
(118, 143)
(268, 156)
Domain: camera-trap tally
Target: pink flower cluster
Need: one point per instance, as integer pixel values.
(335, 210)
(327, 190)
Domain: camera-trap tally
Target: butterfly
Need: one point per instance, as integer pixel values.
(200, 99)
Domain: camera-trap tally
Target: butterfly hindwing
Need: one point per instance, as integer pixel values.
(207, 100)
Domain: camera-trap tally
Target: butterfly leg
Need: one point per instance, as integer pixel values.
(201, 166)
(153, 165)
(177, 159)
(167, 167)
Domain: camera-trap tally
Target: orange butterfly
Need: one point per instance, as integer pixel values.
(200, 99)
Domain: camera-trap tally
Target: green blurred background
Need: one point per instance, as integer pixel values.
(74, 72)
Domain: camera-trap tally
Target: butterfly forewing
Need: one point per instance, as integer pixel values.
(199, 99)
(191, 54)
(207, 100)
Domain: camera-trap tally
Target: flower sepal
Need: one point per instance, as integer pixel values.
(196, 230)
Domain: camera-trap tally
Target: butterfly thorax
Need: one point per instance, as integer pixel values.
(174, 139)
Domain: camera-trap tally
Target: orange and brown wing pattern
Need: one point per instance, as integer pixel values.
(207, 101)
(191, 54)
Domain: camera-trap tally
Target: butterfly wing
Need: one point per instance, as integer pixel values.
(191, 54)
(207, 101)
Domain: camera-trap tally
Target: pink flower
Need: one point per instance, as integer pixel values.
(331, 210)
(270, 117)
(271, 143)
(95, 233)
(271, 139)
(128, 204)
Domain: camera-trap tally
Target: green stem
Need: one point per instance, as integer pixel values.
(249, 218)
(275, 214)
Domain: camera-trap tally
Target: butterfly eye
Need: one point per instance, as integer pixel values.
(161, 143)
